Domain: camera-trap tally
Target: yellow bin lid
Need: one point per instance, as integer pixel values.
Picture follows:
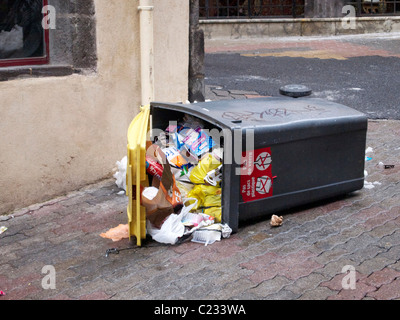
(136, 176)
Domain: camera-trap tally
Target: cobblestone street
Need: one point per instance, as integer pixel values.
(302, 259)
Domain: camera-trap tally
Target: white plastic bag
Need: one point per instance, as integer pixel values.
(120, 175)
(172, 228)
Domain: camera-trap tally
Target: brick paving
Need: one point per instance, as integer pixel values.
(303, 259)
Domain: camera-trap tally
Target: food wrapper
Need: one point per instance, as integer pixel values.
(174, 157)
(197, 140)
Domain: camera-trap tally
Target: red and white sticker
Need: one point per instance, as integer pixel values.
(256, 181)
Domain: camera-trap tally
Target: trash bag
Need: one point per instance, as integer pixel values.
(215, 212)
(207, 164)
(207, 196)
(120, 175)
(172, 229)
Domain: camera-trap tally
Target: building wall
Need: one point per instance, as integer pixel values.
(61, 133)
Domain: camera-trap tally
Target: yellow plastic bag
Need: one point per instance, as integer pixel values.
(215, 212)
(207, 196)
(213, 200)
(205, 165)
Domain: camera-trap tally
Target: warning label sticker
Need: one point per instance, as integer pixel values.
(256, 181)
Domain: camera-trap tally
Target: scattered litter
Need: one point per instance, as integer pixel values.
(368, 185)
(276, 221)
(122, 192)
(207, 236)
(368, 158)
(369, 150)
(226, 231)
(2, 293)
(385, 166)
(120, 175)
(3, 229)
(116, 251)
(371, 185)
(112, 250)
(117, 233)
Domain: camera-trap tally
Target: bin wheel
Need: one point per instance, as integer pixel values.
(295, 90)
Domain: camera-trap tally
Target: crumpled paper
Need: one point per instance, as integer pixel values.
(276, 221)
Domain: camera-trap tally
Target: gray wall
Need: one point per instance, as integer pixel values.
(73, 42)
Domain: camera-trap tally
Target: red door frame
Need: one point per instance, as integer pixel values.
(34, 60)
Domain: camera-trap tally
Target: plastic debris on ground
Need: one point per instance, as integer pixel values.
(117, 233)
(3, 229)
(367, 184)
(120, 175)
(385, 166)
(2, 293)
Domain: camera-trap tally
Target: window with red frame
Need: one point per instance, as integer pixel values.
(23, 40)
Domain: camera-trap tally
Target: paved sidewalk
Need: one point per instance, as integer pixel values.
(302, 259)
(330, 47)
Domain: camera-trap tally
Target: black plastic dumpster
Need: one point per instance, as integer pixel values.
(303, 150)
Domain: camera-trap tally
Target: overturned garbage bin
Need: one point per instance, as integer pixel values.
(277, 152)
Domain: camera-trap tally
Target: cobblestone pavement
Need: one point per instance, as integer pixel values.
(303, 259)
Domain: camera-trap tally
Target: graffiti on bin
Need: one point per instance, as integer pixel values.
(271, 113)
